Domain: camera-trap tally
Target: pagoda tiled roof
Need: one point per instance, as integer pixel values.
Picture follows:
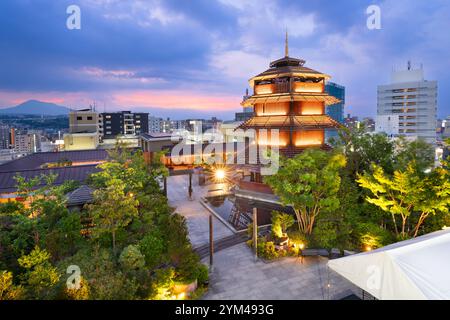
(287, 97)
(290, 121)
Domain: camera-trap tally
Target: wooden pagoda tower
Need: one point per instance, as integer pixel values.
(291, 98)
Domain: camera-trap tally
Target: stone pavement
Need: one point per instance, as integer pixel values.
(196, 215)
(236, 275)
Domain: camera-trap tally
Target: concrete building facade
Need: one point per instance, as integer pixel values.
(414, 100)
(5, 137)
(124, 123)
(26, 143)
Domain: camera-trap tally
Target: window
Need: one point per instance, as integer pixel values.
(79, 118)
(89, 118)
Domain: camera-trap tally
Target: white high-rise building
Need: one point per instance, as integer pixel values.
(413, 100)
(388, 124)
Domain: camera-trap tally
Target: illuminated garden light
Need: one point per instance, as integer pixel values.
(181, 296)
(220, 174)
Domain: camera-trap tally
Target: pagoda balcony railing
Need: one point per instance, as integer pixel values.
(308, 87)
(284, 87)
(270, 88)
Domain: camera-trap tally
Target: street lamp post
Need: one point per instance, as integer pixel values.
(165, 186)
(211, 242)
(190, 185)
(255, 232)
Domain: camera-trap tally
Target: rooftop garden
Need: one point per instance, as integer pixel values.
(367, 193)
(127, 244)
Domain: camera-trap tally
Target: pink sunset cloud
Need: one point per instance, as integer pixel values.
(177, 99)
(165, 99)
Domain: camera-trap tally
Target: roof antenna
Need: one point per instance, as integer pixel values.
(286, 45)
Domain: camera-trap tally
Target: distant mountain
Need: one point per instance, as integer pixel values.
(36, 108)
(181, 114)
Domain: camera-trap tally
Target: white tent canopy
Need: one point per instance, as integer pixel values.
(418, 268)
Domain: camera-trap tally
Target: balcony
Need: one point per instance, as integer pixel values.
(270, 88)
(308, 87)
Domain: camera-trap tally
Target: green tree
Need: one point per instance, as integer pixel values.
(408, 193)
(40, 276)
(112, 209)
(153, 248)
(309, 183)
(417, 152)
(131, 258)
(99, 269)
(9, 291)
(81, 293)
(361, 149)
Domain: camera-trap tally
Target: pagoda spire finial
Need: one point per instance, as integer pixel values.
(286, 45)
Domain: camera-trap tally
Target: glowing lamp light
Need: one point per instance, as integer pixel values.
(368, 248)
(302, 246)
(220, 174)
(181, 296)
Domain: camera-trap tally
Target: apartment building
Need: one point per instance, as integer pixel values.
(414, 100)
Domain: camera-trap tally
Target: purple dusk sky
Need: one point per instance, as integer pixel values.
(193, 58)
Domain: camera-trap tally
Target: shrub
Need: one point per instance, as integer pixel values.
(250, 231)
(99, 269)
(82, 293)
(162, 284)
(40, 275)
(202, 274)
(152, 247)
(372, 235)
(9, 291)
(187, 267)
(267, 250)
(325, 234)
(281, 222)
(297, 237)
(131, 258)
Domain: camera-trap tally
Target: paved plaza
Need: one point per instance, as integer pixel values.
(196, 215)
(236, 275)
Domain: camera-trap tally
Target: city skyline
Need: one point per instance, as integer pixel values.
(180, 60)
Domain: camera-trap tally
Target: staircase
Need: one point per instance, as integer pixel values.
(224, 243)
